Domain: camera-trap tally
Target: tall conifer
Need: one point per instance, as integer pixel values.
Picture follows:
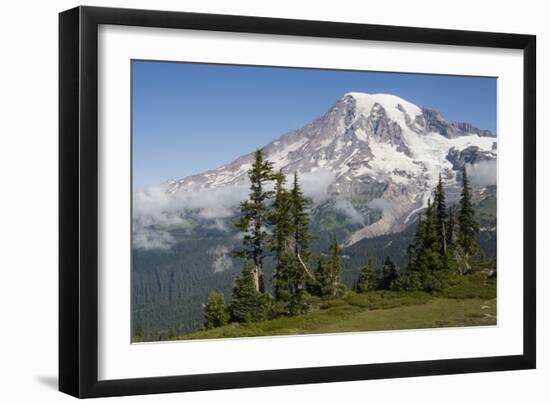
(254, 217)
(327, 281)
(451, 262)
(291, 237)
(432, 245)
(300, 217)
(468, 228)
(416, 249)
(281, 219)
(451, 226)
(334, 284)
(441, 215)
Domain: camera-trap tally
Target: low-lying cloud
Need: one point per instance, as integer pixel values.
(147, 238)
(344, 206)
(221, 258)
(483, 174)
(379, 203)
(156, 206)
(315, 185)
(155, 210)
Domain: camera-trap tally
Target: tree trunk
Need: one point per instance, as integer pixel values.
(258, 276)
(444, 236)
(305, 268)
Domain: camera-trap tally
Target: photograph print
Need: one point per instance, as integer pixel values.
(270, 201)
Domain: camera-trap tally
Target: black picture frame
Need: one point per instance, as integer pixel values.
(78, 201)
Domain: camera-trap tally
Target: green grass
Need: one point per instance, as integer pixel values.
(472, 286)
(387, 299)
(471, 302)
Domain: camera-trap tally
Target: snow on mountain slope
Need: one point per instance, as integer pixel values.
(375, 151)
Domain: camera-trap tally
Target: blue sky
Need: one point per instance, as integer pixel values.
(188, 118)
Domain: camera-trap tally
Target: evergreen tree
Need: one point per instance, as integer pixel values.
(451, 262)
(216, 312)
(416, 249)
(288, 279)
(290, 223)
(451, 226)
(280, 219)
(368, 277)
(254, 217)
(390, 274)
(432, 246)
(333, 283)
(247, 304)
(441, 216)
(427, 262)
(300, 218)
(327, 281)
(468, 228)
(442, 245)
(318, 285)
(431, 238)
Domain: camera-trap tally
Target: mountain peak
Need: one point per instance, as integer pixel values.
(376, 153)
(397, 109)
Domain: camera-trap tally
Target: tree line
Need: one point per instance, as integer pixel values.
(274, 221)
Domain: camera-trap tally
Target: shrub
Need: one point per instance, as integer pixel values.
(216, 312)
(437, 281)
(409, 281)
(476, 285)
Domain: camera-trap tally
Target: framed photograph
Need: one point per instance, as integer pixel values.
(252, 202)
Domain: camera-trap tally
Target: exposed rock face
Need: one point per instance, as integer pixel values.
(471, 155)
(376, 152)
(433, 121)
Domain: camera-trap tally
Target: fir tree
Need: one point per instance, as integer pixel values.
(431, 238)
(468, 228)
(441, 215)
(442, 245)
(285, 282)
(333, 284)
(432, 246)
(416, 256)
(451, 262)
(318, 285)
(254, 217)
(290, 223)
(426, 256)
(368, 277)
(327, 282)
(247, 304)
(300, 219)
(216, 312)
(451, 226)
(390, 274)
(280, 219)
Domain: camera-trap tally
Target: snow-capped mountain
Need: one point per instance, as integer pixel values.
(373, 152)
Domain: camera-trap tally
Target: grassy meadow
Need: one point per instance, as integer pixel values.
(472, 302)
